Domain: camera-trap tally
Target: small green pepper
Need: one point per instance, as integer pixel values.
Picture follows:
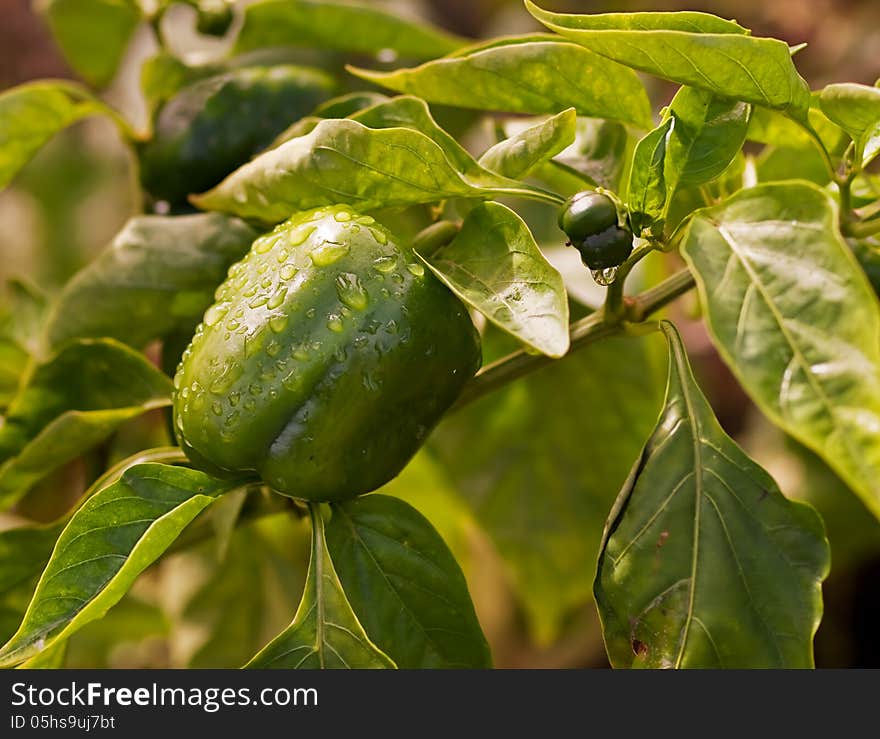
(590, 221)
(587, 213)
(329, 355)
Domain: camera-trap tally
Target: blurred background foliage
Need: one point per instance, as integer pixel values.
(511, 483)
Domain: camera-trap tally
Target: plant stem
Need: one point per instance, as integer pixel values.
(863, 229)
(615, 309)
(583, 333)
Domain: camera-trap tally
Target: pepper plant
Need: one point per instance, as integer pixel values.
(337, 294)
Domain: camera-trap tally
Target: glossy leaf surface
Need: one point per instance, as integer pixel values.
(114, 537)
(705, 564)
(495, 266)
(794, 317)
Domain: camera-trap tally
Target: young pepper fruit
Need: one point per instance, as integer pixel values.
(590, 221)
(329, 355)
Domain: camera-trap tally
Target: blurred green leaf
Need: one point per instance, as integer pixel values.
(114, 537)
(495, 266)
(525, 75)
(164, 75)
(22, 312)
(540, 461)
(71, 402)
(247, 597)
(32, 113)
(342, 27)
(794, 317)
(101, 644)
(519, 154)
(404, 583)
(777, 163)
(325, 632)
(24, 552)
(93, 34)
(867, 251)
(694, 49)
(704, 563)
(342, 161)
(158, 274)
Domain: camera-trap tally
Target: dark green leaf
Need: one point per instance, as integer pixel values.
(33, 113)
(247, 598)
(707, 133)
(114, 537)
(540, 461)
(404, 583)
(325, 632)
(495, 266)
(693, 49)
(518, 155)
(794, 317)
(131, 625)
(867, 251)
(159, 273)
(70, 403)
(704, 563)
(342, 161)
(93, 34)
(647, 191)
(525, 75)
(164, 75)
(599, 152)
(340, 26)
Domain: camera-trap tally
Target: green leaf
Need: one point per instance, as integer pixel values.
(33, 113)
(159, 273)
(495, 266)
(93, 34)
(246, 598)
(855, 108)
(403, 581)
(647, 191)
(411, 112)
(867, 251)
(342, 27)
(693, 49)
(794, 317)
(524, 75)
(707, 133)
(599, 152)
(540, 461)
(777, 163)
(771, 127)
(518, 155)
(342, 161)
(22, 313)
(348, 104)
(704, 563)
(71, 402)
(127, 629)
(115, 536)
(164, 75)
(24, 552)
(325, 632)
